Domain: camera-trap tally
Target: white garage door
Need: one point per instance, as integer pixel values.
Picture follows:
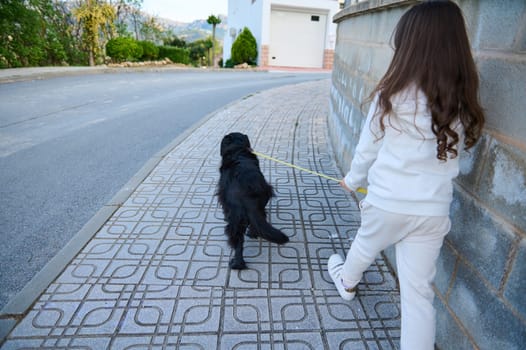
(297, 39)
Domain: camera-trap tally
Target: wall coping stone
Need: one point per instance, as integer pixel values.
(364, 7)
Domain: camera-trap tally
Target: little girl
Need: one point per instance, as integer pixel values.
(423, 112)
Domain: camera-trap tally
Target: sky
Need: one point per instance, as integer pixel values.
(185, 10)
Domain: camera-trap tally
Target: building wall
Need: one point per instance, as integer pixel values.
(255, 15)
(331, 6)
(328, 59)
(481, 274)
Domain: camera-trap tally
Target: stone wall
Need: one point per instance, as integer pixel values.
(480, 284)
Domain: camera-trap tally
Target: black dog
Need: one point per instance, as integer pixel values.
(243, 193)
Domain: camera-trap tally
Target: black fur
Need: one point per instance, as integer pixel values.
(243, 194)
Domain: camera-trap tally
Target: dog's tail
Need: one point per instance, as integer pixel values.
(263, 229)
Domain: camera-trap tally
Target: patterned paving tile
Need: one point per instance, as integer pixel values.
(156, 275)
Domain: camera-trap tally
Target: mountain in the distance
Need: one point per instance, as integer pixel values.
(189, 32)
(196, 30)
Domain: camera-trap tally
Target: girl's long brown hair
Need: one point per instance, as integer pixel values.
(432, 50)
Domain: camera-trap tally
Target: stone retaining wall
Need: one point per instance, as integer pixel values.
(480, 281)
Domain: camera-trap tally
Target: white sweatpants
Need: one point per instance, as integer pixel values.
(418, 240)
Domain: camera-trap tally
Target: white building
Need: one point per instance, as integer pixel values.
(289, 33)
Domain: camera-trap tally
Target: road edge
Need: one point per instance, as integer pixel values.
(13, 75)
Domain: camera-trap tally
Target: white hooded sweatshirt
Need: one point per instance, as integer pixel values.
(400, 167)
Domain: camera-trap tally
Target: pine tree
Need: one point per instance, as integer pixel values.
(244, 49)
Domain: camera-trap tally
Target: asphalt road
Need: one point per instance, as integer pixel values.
(69, 144)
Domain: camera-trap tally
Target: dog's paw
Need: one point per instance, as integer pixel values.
(237, 264)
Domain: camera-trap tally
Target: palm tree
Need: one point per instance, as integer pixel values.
(214, 21)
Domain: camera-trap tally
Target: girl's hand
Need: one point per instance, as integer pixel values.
(342, 184)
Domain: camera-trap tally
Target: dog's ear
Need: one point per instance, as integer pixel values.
(227, 140)
(246, 141)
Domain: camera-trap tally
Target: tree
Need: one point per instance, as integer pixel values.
(177, 42)
(96, 19)
(214, 21)
(62, 23)
(19, 29)
(152, 30)
(244, 49)
(126, 11)
(198, 50)
(34, 32)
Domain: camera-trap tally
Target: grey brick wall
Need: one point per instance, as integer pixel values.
(480, 283)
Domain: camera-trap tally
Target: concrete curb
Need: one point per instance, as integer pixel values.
(11, 75)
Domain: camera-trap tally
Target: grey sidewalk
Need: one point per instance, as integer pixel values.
(156, 274)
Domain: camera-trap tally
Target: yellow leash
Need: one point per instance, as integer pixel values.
(360, 189)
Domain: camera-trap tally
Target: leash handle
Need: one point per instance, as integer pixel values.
(359, 189)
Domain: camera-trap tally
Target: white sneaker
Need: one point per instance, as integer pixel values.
(335, 266)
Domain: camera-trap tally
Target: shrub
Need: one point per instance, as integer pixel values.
(35, 33)
(229, 63)
(124, 49)
(199, 51)
(177, 42)
(175, 54)
(149, 51)
(244, 49)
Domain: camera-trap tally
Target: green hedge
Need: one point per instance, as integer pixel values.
(175, 54)
(124, 49)
(150, 52)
